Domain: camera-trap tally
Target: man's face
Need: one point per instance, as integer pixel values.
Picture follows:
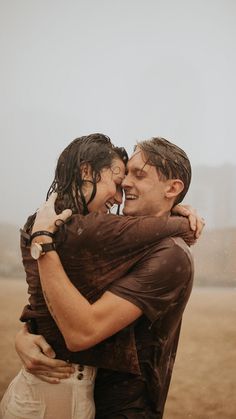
(144, 192)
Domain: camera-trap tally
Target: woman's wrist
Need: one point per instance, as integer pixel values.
(40, 234)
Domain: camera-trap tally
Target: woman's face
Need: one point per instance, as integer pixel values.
(109, 191)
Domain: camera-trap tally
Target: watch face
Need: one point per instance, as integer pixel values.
(35, 250)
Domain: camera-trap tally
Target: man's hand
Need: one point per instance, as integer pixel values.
(46, 217)
(196, 222)
(37, 357)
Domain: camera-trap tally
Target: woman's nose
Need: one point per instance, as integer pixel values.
(119, 197)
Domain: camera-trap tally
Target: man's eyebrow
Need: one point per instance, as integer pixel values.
(136, 170)
(140, 169)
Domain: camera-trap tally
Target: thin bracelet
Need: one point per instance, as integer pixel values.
(41, 233)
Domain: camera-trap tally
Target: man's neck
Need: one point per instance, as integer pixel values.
(162, 213)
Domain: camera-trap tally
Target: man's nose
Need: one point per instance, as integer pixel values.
(126, 183)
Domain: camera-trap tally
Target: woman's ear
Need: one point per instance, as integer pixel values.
(86, 171)
(174, 188)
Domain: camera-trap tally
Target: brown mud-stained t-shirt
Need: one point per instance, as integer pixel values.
(160, 285)
(96, 251)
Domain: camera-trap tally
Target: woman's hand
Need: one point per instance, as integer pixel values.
(46, 217)
(37, 357)
(196, 222)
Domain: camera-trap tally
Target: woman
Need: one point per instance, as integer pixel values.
(88, 179)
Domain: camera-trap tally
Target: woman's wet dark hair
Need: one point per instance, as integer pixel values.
(95, 149)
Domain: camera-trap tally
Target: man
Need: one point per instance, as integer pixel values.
(153, 294)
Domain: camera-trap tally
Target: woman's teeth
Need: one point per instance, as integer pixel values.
(109, 205)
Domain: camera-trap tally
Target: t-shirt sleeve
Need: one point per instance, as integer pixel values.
(124, 235)
(158, 281)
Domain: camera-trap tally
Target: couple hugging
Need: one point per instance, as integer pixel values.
(107, 292)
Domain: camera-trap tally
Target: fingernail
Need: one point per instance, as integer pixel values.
(52, 355)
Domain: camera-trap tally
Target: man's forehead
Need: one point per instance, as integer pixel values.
(137, 159)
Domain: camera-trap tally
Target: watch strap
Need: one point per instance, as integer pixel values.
(47, 247)
(41, 233)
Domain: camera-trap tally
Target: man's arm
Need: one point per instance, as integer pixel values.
(82, 324)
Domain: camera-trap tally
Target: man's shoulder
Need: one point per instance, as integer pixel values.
(173, 243)
(181, 245)
(186, 250)
(171, 251)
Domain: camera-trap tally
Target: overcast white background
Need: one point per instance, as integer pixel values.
(131, 69)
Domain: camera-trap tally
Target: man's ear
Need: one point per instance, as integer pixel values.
(86, 171)
(173, 188)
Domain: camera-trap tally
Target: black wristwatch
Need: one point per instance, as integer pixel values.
(39, 249)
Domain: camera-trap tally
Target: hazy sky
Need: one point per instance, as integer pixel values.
(131, 69)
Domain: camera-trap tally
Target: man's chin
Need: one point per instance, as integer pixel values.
(129, 211)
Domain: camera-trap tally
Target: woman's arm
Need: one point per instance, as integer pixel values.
(196, 222)
(82, 324)
(115, 236)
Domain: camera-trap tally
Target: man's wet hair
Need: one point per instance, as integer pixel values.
(95, 149)
(171, 161)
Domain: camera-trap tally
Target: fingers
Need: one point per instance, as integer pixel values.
(48, 351)
(52, 198)
(196, 224)
(45, 347)
(193, 222)
(51, 363)
(48, 379)
(47, 217)
(181, 210)
(41, 362)
(34, 364)
(49, 204)
(53, 374)
(200, 224)
(65, 214)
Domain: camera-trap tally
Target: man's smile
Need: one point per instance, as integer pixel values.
(130, 197)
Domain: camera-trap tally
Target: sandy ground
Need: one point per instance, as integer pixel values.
(204, 380)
